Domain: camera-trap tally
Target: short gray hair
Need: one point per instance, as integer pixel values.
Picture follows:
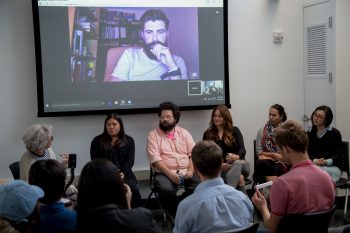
(37, 136)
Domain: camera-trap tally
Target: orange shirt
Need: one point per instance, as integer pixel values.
(175, 152)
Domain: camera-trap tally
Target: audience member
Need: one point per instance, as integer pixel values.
(104, 202)
(169, 152)
(154, 61)
(325, 143)
(221, 130)
(304, 189)
(50, 175)
(119, 148)
(214, 206)
(37, 139)
(270, 163)
(18, 206)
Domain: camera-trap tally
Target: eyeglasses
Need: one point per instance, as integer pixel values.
(168, 117)
(319, 116)
(51, 138)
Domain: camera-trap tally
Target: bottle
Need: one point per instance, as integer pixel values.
(181, 185)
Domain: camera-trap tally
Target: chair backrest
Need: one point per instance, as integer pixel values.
(14, 167)
(305, 223)
(345, 150)
(251, 229)
(112, 59)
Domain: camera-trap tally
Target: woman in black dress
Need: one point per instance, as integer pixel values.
(113, 144)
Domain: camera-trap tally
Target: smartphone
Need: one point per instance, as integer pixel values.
(264, 189)
(72, 160)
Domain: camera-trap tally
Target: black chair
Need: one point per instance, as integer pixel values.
(344, 183)
(306, 223)
(14, 167)
(155, 193)
(251, 229)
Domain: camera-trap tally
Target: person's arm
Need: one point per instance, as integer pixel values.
(240, 142)
(335, 158)
(205, 137)
(129, 158)
(190, 170)
(95, 149)
(190, 144)
(160, 166)
(271, 221)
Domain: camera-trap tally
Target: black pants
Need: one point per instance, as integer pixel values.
(167, 191)
(136, 196)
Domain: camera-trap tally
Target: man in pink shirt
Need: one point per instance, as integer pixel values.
(304, 189)
(169, 150)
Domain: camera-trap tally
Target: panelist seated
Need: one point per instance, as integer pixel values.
(38, 139)
(119, 148)
(325, 143)
(270, 163)
(169, 149)
(154, 61)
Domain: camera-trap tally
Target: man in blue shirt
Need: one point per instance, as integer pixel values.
(214, 206)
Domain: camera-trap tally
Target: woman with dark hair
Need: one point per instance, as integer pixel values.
(269, 164)
(325, 143)
(104, 202)
(113, 144)
(222, 131)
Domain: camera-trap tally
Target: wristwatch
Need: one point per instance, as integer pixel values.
(171, 73)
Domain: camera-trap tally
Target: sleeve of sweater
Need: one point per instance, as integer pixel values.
(240, 142)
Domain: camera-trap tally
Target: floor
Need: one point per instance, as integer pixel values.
(336, 225)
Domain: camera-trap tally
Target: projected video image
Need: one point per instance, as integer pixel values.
(111, 44)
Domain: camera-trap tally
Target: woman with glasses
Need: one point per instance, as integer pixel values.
(38, 139)
(269, 164)
(119, 148)
(325, 142)
(222, 131)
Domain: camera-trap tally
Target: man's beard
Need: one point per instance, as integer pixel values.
(149, 46)
(166, 126)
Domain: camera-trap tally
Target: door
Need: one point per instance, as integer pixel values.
(319, 77)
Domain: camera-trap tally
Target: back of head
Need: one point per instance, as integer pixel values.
(99, 184)
(18, 200)
(49, 175)
(37, 136)
(293, 135)
(207, 158)
(172, 107)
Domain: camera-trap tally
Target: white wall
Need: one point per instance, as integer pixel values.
(343, 66)
(261, 74)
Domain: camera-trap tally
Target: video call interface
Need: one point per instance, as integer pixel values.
(95, 58)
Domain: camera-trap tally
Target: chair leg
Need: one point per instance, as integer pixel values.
(148, 198)
(346, 203)
(158, 201)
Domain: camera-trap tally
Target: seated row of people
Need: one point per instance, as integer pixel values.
(324, 146)
(169, 149)
(104, 201)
